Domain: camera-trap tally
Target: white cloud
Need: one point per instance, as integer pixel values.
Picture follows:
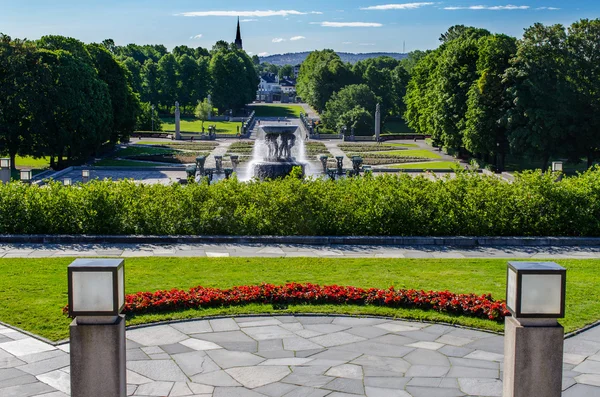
(348, 24)
(347, 42)
(494, 8)
(548, 8)
(278, 40)
(263, 54)
(248, 20)
(295, 38)
(198, 36)
(249, 14)
(403, 6)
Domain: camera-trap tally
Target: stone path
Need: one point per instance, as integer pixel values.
(291, 250)
(295, 356)
(335, 151)
(218, 151)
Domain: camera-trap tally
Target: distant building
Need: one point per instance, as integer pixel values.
(269, 89)
(296, 71)
(288, 85)
(238, 37)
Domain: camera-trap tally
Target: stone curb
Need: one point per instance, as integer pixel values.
(306, 240)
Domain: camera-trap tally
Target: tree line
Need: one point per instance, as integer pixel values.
(188, 75)
(65, 99)
(346, 95)
(493, 95)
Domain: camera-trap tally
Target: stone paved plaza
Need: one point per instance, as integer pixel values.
(293, 250)
(294, 356)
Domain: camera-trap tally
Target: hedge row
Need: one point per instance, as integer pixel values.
(389, 205)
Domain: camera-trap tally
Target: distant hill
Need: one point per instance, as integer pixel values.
(297, 58)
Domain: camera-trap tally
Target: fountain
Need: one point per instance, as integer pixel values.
(276, 152)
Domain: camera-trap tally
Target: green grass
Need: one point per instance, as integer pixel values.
(30, 162)
(142, 151)
(194, 125)
(35, 290)
(432, 165)
(290, 111)
(126, 163)
(412, 153)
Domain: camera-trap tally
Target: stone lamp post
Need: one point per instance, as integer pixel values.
(5, 170)
(67, 182)
(323, 158)
(85, 176)
(533, 339)
(25, 176)
(97, 351)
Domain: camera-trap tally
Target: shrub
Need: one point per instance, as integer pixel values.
(389, 205)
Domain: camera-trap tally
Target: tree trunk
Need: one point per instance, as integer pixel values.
(13, 156)
(545, 163)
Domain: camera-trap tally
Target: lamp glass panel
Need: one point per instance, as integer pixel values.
(4, 163)
(25, 175)
(121, 284)
(541, 293)
(85, 173)
(511, 290)
(92, 291)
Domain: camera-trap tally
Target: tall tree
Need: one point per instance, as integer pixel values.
(347, 107)
(167, 81)
(125, 103)
(488, 102)
(187, 76)
(150, 82)
(541, 120)
(584, 73)
(286, 71)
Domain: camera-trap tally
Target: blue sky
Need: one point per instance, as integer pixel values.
(275, 26)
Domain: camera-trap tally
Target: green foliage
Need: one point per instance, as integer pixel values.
(467, 204)
(203, 110)
(352, 106)
(234, 79)
(148, 119)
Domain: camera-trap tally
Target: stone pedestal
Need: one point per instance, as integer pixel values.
(5, 175)
(533, 358)
(98, 359)
(177, 122)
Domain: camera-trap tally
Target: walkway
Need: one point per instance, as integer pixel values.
(288, 251)
(297, 356)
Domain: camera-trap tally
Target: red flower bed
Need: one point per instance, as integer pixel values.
(482, 306)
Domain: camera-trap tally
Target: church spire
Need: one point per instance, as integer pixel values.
(238, 37)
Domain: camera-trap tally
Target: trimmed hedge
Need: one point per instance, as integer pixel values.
(389, 205)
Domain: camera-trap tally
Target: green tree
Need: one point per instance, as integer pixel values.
(233, 78)
(18, 96)
(584, 74)
(148, 119)
(322, 74)
(181, 50)
(135, 74)
(203, 110)
(125, 103)
(488, 102)
(150, 82)
(541, 120)
(411, 59)
(187, 76)
(344, 107)
(286, 71)
(167, 81)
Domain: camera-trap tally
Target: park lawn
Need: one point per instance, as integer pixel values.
(126, 163)
(275, 110)
(34, 290)
(422, 153)
(143, 151)
(190, 124)
(432, 165)
(30, 162)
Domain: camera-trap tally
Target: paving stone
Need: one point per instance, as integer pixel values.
(259, 323)
(336, 354)
(268, 332)
(427, 371)
(470, 372)
(352, 386)
(235, 392)
(350, 371)
(481, 387)
(41, 367)
(425, 382)
(582, 391)
(33, 358)
(136, 354)
(394, 339)
(380, 392)
(419, 335)
(368, 332)
(302, 391)
(175, 348)
(27, 390)
(486, 356)
(377, 349)
(426, 345)
(136, 379)
(249, 347)
(252, 377)
(228, 359)
(18, 380)
(395, 327)
(396, 365)
(427, 357)
(276, 389)
(308, 333)
(297, 343)
(326, 328)
(309, 353)
(395, 383)
(358, 321)
(154, 389)
(314, 319)
(10, 362)
(437, 329)
(24, 347)
(276, 354)
(588, 366)
(416, 391)
(308, 380)
(155, 336)
(193, 327)
(197, 388)
(216, 378)
(494, 344)
(158, 370)
(180, 389)
(466, 362)
(197, 344)
(228, 336)
(223, 324)
(287, 361)
(295, 326)
(589, 379)
(58, 380)
(453, 340)
(195, 363)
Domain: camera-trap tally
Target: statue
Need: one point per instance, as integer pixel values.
(210, 103)
(378, 123)
(177, 122)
